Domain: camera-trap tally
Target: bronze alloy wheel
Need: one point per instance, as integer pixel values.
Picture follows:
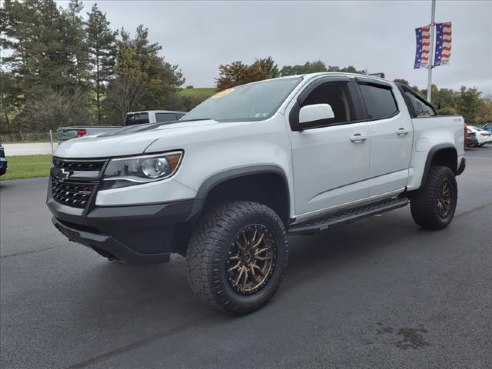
(251, 259)
(444, 198)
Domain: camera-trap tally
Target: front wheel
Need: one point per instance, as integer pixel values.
(237, 255)
(433, 206)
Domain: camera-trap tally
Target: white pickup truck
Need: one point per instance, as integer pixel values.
(251, 165)
(132, 118)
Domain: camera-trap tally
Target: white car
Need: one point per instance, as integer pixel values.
(482, 135)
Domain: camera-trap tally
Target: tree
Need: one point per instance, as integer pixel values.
(447, 111)
(46, 47)
(443, 98)
(53, 109)
(143, 80)
(269, 66)
(308, 67)
(74, 47)
(469, 104)
(485, 112)
(102, 53)
(238, 73)
(9, 100)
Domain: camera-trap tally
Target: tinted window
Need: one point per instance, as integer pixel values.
(164, 117)
(420, 107)
(138, 118)
(335, 94)
(379, 100)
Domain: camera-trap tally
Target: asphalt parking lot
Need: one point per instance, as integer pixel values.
(380, 293)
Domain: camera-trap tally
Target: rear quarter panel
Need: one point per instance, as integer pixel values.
(429, 133)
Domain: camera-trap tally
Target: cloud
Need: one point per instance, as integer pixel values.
(374, 35)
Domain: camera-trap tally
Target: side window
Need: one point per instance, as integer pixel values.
(138, 118)
(335, 94)
(164, 117)
(421, 108)
(380, 101)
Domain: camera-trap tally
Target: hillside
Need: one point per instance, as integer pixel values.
(202, 93)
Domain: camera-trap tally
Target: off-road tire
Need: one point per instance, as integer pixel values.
(424, 204)
(209, 252)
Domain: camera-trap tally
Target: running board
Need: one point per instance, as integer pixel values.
(322, 223)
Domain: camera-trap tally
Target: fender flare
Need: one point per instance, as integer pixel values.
(216, 179)
(430, 157)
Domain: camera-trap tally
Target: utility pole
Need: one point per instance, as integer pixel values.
(431, 50)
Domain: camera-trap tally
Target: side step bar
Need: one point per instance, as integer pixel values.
(322, 223)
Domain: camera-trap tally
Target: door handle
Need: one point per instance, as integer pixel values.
(402, 132)
(358, 137)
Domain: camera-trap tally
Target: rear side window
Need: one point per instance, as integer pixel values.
(420, 108)
(379, 100)
(139, 118)
(164, 117)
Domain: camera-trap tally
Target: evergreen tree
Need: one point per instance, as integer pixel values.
(75, 47)
(102, 53)
(143, 79)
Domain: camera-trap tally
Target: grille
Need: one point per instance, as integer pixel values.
(75, 192)
(71, 193)
(78, 165)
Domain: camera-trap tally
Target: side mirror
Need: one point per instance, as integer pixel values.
(313, 113)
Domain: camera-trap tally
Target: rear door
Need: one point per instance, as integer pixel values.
(331, 158)
(391, 136)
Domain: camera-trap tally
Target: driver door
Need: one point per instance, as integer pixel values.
(331, 157)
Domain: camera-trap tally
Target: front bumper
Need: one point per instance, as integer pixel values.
(135, 234)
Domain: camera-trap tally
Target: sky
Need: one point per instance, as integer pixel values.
(375, 35)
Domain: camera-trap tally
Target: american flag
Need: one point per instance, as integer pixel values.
(423, 47)
(443, 44)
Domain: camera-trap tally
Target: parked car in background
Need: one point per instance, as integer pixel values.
(482, 135)
(132, 118)
(488, 127)
(3, 161)
(471, 138)
(68, 133)
(152, 116)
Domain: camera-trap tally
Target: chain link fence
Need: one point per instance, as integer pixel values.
(25, 137)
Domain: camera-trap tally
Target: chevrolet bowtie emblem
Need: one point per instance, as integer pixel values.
(64, 174)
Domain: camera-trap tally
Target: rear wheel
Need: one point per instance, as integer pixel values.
(434, 205)
(237, 256)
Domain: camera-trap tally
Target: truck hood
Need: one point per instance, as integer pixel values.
(131, 140)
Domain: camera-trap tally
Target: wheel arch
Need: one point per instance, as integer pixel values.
(442, 154)
(266, 184)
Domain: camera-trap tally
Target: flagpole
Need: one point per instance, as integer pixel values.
(431, 51)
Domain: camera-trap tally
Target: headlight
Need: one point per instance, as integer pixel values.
(141, 169)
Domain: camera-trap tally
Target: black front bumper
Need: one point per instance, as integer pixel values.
(135, 234)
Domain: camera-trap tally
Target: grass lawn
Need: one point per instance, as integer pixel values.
(205, 92)
(28, 166)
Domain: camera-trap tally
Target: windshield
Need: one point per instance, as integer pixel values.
(251, 102)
